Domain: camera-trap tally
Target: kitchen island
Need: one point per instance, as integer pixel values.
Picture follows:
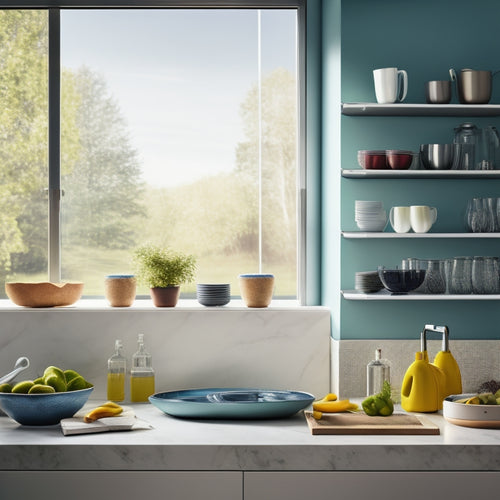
(241, 460)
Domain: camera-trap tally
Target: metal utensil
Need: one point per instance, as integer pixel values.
(21, 365)
(438, 156)
(473, 87)
(438, 92)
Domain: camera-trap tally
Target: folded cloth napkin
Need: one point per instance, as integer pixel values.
(126, 421)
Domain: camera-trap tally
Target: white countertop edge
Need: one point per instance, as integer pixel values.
(285, 444)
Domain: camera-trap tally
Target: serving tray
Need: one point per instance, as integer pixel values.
(233, 403)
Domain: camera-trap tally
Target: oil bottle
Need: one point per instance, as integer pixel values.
(142, 375)
(377, 371)
(117, 366)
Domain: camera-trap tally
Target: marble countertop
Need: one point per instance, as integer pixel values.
(279, 445)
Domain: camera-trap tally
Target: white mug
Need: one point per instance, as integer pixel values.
(387, 84)
(400, 219)
(422, 218)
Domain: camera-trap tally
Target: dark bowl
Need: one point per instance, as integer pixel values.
(401, 280)
(372, 159)
(399, 160)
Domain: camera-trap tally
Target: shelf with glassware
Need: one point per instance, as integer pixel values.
(410, 109)
(360, 173)
(382, 235)
(386, 295)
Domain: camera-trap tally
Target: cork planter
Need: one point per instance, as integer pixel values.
(120, 289)
(256, 289)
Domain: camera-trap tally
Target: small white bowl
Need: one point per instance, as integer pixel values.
(481, 416)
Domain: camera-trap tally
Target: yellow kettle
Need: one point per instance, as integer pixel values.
(425, 384)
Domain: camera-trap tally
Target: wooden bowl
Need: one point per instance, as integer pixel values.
(44, 294)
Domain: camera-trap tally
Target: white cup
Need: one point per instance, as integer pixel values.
(387, 84)
(422, 218)
(400, 219)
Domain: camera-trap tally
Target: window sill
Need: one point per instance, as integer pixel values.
(147, 305)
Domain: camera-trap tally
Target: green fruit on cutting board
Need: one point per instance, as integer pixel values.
(23, 387)
(5, 388)
(41, 389)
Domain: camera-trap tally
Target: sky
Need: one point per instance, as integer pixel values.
(179, 77)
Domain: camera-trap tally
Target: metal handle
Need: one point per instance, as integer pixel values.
(438, 329)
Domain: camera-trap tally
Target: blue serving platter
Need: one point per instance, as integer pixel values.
(224, 403)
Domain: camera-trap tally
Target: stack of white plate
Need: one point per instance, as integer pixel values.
(370, 215)
(367, 282)
(213, 294)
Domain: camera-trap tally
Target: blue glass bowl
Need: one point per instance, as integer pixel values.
(43, 409)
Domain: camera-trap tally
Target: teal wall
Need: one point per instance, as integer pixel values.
(425, 38)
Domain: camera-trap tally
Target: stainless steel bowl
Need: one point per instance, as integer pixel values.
(438, 156)
(438, 92)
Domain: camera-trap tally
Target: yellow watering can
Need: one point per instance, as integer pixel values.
(425, 384)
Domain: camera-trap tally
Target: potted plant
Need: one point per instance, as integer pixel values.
(164, 271)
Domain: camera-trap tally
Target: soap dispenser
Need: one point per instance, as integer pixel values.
(142, 375)
(117, 365)
(426, 384)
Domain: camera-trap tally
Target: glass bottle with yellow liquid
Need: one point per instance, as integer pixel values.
(117, 366)
(142, 375)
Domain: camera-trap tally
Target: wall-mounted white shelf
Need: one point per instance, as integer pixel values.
(404, 109)
(377, 235)
(360, 173)
(385, 295)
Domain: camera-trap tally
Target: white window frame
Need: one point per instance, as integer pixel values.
(54, 93)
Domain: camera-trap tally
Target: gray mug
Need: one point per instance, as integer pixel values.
(438, 92)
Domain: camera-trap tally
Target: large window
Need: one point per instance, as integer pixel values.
(175, 126)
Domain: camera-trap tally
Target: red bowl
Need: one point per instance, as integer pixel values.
(399, 160)
(372, 159)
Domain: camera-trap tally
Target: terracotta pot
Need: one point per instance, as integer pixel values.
(165, 297)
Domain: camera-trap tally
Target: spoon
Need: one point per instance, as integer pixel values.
(21, 365)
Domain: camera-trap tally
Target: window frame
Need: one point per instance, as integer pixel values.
(54, 93)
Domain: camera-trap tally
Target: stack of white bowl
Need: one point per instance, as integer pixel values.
(370, 215)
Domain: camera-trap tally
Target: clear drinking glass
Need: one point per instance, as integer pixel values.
(476, 218)
(435, 279)
(491, 277)
(460, 276)
(489, 215)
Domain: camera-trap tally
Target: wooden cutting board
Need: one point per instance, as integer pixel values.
(360, 423)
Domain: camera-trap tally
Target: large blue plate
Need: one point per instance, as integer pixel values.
(231, 403)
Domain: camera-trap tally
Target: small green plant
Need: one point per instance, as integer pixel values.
(162, 267)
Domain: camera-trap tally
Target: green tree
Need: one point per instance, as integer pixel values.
(279, 162)
(23, 122)
(103, 190)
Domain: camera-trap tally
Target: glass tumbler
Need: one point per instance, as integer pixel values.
(491, 277)
(435, 279)
(460, 276)
(489, 215)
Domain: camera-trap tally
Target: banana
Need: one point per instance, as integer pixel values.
(333, 406)
(108, 409)
(330, 397)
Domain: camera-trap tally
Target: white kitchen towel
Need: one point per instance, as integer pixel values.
(126, 421)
